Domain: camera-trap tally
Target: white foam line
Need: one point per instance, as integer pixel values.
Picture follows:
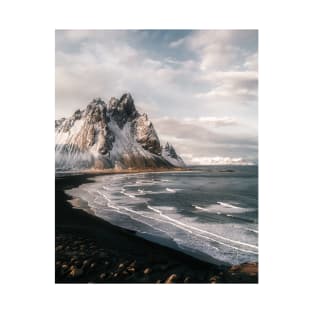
(201, 230)
(140, 221)
(106, 188)
(200, 208)
(95, 201)
(138, 213)
(131, 185)
(108, 201)
(253, 230)
(206, 237)
(170, 190)
(227, 205)
(149, 192)
(145, 182)
(127, 194)
(227, 245)
(175, 223)
(208, 210)
(141, 214)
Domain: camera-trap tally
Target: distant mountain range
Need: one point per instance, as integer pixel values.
(111, 136)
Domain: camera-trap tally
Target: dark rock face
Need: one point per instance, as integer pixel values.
(146, 135)
(169, 154)
(123, 110)
(94, 128)
(59, 122)
(95, 111)
(112, 135)
(112, 104)
(171, 151)
(77, 115)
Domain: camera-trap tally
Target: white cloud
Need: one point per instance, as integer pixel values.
(197, 100)
(220, 49)
(251, 62)
(217, 120)
(233, 75)
(177, 43)
(239, 87)
(217, 160)
(228, 91)
(212, 121)
(207, 137)
(227, 60)
(78, 35)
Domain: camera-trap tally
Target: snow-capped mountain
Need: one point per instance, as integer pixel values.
(113, 135)
(170, 155)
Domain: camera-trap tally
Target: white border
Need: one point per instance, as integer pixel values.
(27, 158)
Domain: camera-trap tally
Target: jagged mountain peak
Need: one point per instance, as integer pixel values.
(113, 102)
(127, 100)
(122, 110)
(97, 101)
(109, 136)
(169, 153)
(168, 147)
(146, 134)
(125, 103)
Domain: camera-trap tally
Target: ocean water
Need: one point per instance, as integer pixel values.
(210, 212)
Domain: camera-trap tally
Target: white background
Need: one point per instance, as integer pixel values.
(27, 155)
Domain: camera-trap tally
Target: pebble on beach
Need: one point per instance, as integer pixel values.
(171, 279)
(75, 272)
(83, 261)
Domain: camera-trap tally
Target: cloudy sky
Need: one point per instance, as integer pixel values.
(199, 88)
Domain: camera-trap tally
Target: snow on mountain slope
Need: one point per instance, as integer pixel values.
(110, 136)
(170, 155)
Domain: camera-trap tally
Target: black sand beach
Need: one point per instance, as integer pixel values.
(90, 250)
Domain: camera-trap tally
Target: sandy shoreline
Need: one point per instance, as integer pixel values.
(88, 249)
(95, 172)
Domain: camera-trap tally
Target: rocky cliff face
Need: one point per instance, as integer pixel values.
(169, 154)
(112, 135)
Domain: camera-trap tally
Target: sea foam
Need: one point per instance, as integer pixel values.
(124, 201)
